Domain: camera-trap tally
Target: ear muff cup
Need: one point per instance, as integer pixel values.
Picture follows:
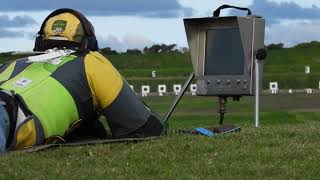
(89, 41)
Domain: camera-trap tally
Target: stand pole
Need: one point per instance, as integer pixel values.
(257, 92)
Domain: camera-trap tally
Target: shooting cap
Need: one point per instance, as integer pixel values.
(66, 28)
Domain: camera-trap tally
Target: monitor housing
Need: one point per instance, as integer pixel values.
(223, 51)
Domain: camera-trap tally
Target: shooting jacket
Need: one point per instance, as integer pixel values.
(56, 96)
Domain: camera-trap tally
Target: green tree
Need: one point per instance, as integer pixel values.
(275, 46)
(108, 51)
(133, 51)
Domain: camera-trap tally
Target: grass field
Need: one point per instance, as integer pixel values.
(286, 146)
(286, 66)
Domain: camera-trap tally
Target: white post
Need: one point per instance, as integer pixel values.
(307, 69)
(258, 64)
(308, 91)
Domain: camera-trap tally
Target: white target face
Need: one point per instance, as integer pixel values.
(162, 88)
(177, 87)
(273, 86)
(145, 89)
(193, 88)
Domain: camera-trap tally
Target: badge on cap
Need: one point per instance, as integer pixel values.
(59, 26)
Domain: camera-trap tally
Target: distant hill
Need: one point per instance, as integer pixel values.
(284, 65)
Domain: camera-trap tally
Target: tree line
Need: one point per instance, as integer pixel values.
(312, 44)
(172, 48)
(154, 49)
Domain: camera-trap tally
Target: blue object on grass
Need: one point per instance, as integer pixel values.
(205, 132)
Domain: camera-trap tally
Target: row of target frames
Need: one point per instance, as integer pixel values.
(274, 89)
(162, 90)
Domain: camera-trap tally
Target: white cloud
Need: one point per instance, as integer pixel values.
(111, 41)
(137, 41)
(302, 3)
(292, 32)
(129, 41)
(16, 44)
(146, 30)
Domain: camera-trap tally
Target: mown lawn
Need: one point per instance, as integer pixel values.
(286, 146)
(285, 66)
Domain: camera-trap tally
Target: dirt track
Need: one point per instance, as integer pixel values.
(292, 102)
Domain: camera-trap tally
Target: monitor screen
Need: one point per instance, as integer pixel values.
(224, 52)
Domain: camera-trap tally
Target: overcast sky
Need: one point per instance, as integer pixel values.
(123, 24)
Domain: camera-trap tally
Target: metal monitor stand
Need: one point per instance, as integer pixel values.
(258, 65)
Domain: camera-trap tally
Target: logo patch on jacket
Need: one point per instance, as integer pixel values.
(59, 26)
(22, 82)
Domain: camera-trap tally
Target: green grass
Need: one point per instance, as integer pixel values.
(286, 146)
(286, 66)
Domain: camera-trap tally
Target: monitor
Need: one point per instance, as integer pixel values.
(224, 52)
